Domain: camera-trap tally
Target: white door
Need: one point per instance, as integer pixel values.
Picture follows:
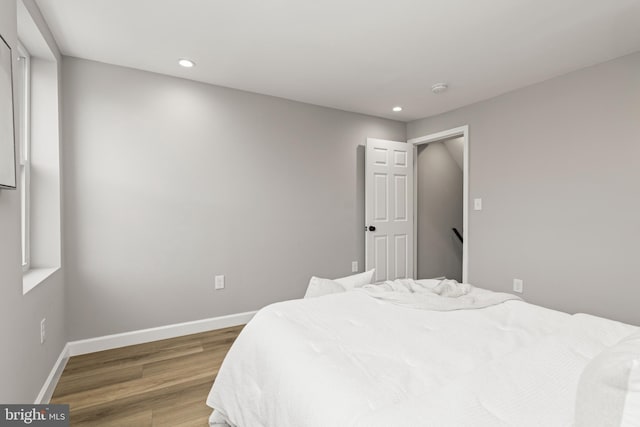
(389, 209)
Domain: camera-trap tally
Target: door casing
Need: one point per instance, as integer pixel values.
(462, 131)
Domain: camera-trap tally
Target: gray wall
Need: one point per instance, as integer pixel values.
(439, 210)
(24, 363)
(170, 182)
(557, 165)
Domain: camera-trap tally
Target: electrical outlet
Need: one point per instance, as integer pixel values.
(518, 285)
(354, 266)
(43, 330)
(477, 204)
(219, 282)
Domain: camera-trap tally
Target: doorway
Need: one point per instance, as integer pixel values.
(441, 188)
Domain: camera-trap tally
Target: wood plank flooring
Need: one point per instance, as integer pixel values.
(162, 383)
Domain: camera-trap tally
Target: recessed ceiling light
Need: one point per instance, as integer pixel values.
(439, 88)
(397, 109)
(186, 63)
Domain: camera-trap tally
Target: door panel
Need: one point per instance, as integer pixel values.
(401, 198)
(381, 195)
(381, 257)
(402, 255)
(389, 208)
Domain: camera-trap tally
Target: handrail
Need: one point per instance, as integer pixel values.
(458, 235)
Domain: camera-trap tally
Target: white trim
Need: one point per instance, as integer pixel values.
(109, 342)
(439, 136)
(35, 276)
(52, 380)
(462, 131)
(24, 133)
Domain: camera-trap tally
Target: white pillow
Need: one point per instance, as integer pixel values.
(357, 280)
(609, 388)
(319, 287)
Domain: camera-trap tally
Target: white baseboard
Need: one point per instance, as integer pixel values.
(52, 380)
(109, 342)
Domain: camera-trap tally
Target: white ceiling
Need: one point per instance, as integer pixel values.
(357, 55)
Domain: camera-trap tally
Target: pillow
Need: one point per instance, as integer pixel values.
(609, 388)
(356, 280)
(319, 287)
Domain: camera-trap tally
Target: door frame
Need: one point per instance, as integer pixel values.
(461, 131)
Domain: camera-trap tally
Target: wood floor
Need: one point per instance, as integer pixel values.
(162, 383)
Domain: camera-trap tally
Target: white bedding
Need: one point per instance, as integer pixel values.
(350, 360)
(436, 295)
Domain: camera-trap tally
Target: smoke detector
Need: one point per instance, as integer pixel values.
(439, 88)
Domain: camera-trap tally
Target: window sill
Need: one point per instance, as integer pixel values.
(35, 276)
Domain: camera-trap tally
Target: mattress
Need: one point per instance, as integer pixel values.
(351, 360)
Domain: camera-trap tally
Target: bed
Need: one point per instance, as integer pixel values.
(351, 359)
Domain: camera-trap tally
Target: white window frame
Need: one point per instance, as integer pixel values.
(24, 104)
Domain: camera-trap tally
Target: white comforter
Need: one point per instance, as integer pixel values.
(436, 295)
(349, 360)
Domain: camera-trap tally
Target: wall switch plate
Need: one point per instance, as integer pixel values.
(219, 282)
(477, 204)
(354, 266)
(43, 330)
(518, 286)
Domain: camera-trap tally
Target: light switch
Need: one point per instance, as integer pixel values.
(477, 204)
(354, 266)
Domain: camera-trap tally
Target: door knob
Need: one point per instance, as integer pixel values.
(372, 228)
